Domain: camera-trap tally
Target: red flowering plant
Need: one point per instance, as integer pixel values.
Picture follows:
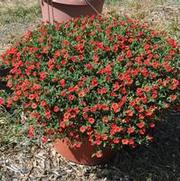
(107, 79)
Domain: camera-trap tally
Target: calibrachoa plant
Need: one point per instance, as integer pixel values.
(107, 79)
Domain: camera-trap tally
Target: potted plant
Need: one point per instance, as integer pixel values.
(96, 83)
(63, 10)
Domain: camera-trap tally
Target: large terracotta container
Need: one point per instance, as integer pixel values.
(63, 10)
(82, 155)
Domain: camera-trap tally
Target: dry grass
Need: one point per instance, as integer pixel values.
(160, 14)
(16, 16)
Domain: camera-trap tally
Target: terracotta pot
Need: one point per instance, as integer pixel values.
(63, 10)
(82, 155)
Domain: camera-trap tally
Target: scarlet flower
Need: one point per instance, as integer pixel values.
(104, 107)
(152, 125)
(147, 89)
(172, 42)
(56, 109)
(116, 140)
(82, 93)
(173, 97)
(34, 105)
(174, 85)
(141, 125)
(115, 107)
(85, 115)
(139, 92)
(102, 91)
(31, 132)
(62, 124)
(78, 145)
(71, 97)
(172, 52)
(129, 54)
(43, 103)
(130, 130)
(62, 83)
(120, 58)
(31, 96)
(1, 101)
(125, 141)
(141, 116)
(115, 48)
(57, 53)
(145, 72)
(82, 129)
(43, 75)
(142, 131)
(48, 114)
(98, 142)
(147, 47)
(115, 129)
(91, 120)
(129, 113)
(155, 94)
(44, 139)
(104, 137)
(89, 66)
(94, 82)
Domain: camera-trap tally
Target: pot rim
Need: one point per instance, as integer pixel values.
(72, 2)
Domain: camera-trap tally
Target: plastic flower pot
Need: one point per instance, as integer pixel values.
(83, 154)
(63, 10)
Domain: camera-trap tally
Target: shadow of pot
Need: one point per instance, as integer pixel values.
(63, 10)
(82, 155)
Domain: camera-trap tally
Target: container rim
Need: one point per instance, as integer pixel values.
(72, 2)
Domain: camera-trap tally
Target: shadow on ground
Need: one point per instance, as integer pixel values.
(159, 161)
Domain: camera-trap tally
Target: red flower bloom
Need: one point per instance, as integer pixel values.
(94, 82)
(129, 113)
(62, 83)
(116, 140)
(115, 129)
(141, 125)
(173, 97)
(1, 101)
(147, 89)
(34, 105)
(139, 92)
(129, 54)
(56, 109)
(71, 97)
(48, 114)
(31, 132)
(130, 130)
(115, 107)
(102, 91)
(91, 120)
(43, 103)
(125, 141)
(82, 129)
(172, 42)
(152, 125)
(44, 139)
(32, 96)
(43, 75)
